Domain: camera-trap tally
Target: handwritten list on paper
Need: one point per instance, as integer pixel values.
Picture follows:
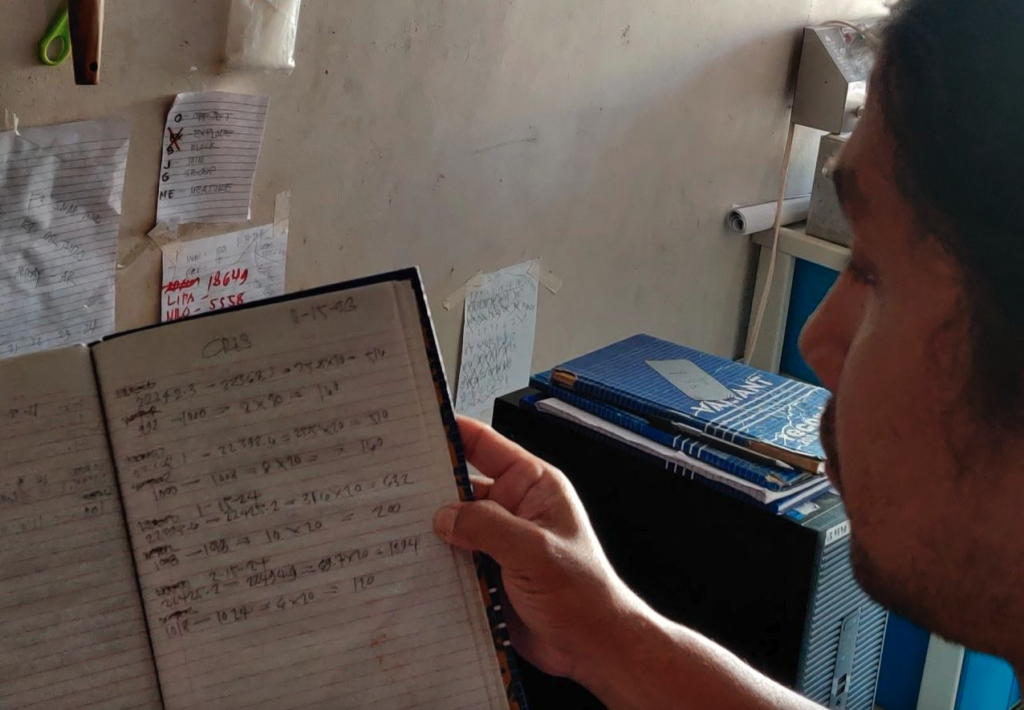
(280, 469)
(210, 150)
(497, 339)
(232, 269)
(60, 206)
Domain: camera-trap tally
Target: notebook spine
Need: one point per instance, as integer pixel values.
(722, 488)
(752, 472)
(614, 396)
(621, 398)
(691, 447)
(650, 458)
(786, 504)
(488, 572)
(619, 418)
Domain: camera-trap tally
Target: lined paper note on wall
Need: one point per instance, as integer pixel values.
(206, 275)
(60, 206)
(211, 146)
(497, 339)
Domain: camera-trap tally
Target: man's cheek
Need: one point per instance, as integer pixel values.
(860, 431)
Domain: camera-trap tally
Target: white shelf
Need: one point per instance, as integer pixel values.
(794, 241)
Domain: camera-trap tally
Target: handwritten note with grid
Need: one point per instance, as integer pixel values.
(497, 339)
(205, 275)
(71, 623)
(281, 467)
(210, 150)
(60, 206)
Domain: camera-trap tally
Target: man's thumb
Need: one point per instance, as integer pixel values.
(486, 526)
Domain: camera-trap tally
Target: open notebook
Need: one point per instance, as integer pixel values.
(234, 511)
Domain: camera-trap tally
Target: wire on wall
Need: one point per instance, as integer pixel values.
(776, 229)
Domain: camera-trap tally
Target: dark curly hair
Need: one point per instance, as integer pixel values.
(950, 85)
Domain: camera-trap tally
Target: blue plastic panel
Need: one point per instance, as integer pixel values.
(811, 283)
(986, 683)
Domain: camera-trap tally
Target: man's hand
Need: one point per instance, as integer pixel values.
(563, 592)
(570, 614)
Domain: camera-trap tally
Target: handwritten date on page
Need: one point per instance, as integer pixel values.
(281, 468)
(209, 274)
(60, 205)
(211, 147)
(71, 623)
(497, 339)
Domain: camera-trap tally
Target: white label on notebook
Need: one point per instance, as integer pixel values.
(689, 379)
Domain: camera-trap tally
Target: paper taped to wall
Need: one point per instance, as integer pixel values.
(209, 274)
(60, 206)
(211, 147)
(758, 218)
(497, 338)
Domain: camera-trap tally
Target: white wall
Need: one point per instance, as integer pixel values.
(607, 137)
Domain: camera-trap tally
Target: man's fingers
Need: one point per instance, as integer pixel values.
(481, 485)
(487, 527)
(513, 469)
(489, 451)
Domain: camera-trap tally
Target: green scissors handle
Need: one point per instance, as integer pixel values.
(59, 30)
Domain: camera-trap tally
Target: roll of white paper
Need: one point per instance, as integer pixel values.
(758, 218)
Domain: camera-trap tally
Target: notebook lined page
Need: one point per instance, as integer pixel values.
(72, 633)
(281, 467)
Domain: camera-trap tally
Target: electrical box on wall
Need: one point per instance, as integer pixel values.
(835, 63)
(825, 218)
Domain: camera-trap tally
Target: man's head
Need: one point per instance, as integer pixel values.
(922, 337)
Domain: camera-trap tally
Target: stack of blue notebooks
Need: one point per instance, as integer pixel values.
(747, 432)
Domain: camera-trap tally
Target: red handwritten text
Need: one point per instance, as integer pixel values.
(226, 277)
(180, 284)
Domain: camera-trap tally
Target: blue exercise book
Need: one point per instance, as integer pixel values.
(742, 409)
(794, 502)
(773, 478)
